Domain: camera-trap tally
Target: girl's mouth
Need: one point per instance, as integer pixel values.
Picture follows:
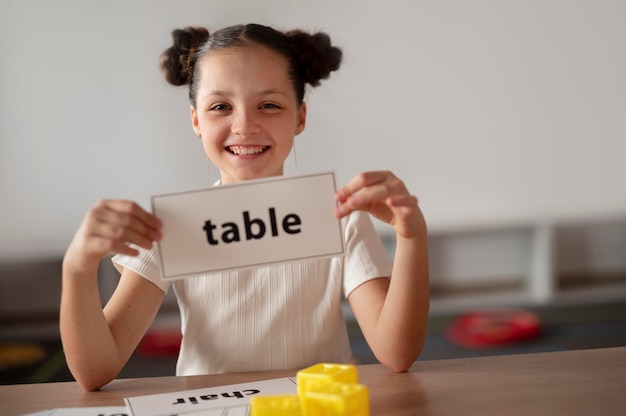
(246, 150)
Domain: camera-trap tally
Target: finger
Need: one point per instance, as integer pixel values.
(359, 182)
(123, 235)
(377, 187)
(403, 201)
(134, 210)
(363, 199)
(128, 215)
(106, 245)
(113, 224)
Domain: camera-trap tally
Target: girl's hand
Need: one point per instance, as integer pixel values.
(110, 226)
(384, 196)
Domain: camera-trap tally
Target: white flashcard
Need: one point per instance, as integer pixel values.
(234, 397)
(84, 411)
(247, 224)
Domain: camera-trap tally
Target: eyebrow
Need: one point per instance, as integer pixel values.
(226, 93)
(272, 91)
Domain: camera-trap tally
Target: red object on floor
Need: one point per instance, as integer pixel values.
(160, 343)
(493, 328)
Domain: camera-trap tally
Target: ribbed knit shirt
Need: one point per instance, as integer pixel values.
(283, 316)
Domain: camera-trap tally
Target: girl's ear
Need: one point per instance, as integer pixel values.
(301, 119)
(194, 121)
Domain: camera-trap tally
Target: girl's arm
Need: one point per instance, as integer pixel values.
(392, 313)
(97, 343)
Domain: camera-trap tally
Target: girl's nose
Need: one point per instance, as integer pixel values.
(244, 125)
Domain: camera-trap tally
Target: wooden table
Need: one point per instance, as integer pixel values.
(582, 382)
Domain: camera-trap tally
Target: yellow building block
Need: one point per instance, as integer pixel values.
(336, 399)
(318, 375)
(283, 405)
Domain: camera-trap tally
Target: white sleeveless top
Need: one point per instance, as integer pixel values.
(284, 316)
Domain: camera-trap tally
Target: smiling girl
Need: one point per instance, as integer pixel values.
(246, 91)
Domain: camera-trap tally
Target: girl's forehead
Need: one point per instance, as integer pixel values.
(247, 53)
(246, 65)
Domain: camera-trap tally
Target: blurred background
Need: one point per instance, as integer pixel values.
(505, 118)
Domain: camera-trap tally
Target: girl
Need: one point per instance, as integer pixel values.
(246, 89)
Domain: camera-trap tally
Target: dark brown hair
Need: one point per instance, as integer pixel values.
(311, 57)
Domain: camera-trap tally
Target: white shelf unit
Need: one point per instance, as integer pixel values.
(533, 264)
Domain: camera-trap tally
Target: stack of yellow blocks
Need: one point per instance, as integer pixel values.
(323, 390)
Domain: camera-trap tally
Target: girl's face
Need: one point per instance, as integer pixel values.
(246, 112)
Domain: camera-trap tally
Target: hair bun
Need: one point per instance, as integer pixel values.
(178, 60)
(316, 56)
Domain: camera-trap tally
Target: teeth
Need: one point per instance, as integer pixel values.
(247, 150)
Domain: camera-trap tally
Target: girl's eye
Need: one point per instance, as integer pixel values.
(270, 106)
(219, 107)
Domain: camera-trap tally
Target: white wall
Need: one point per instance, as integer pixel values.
(491, 111)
